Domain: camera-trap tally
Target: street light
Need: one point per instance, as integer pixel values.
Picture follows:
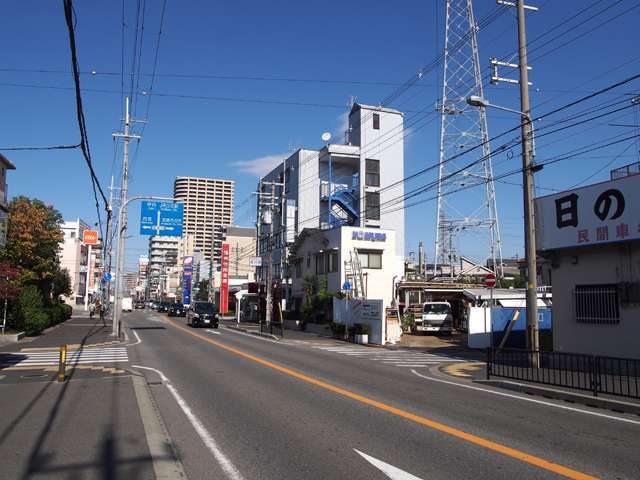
(528, 169)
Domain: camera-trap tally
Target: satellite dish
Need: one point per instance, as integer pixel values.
(326, 136)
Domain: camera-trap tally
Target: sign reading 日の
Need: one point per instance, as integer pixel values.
(161, 218)
(602, 213)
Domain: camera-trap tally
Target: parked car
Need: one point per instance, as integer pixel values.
(177, 310)
(163, 307)
(203, 314)
(138, 305)
(436, 317)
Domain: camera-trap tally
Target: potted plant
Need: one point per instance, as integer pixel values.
(361, 333)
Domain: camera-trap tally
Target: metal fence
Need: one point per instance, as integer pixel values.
(609, 375)
(273, 328)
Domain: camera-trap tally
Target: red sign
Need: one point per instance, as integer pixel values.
(224, 280)
(490, 280)
(90, 237)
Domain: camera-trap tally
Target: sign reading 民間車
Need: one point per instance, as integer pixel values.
(602, 213)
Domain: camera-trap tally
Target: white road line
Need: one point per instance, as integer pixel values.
(394, 473)
(532, 400)
(214, 332)
(137, 342)
(224, 461)
(259, 337)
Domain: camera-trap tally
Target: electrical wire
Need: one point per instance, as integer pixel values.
(84, 141)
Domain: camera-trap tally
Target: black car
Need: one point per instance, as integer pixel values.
(202, 314)
(177, 310)
(138, 305)
(163, 307)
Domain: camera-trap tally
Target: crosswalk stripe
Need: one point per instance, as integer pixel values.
(74, 357)
(399, 358)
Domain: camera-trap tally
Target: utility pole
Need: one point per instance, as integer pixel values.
(533, 342)
(122, 220)
(108, 250)
(269, 272)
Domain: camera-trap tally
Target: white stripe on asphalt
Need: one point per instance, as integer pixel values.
(259, 337)
(214, 332)
(137, 342)
(225, 463)
(526, 399)
(394, 473)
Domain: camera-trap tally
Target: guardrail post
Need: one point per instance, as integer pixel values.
(595, 376)
(489, 363)
(62, 363)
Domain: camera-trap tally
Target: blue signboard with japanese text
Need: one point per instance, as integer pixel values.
(161, 218)
(187, 275)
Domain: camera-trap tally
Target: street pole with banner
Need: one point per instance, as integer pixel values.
(224, 280)
(187, 275)
(89, 238)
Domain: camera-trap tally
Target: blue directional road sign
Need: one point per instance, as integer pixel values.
(161, 218)
(106, 277)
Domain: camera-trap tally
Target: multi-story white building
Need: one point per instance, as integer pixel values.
(358, 184)
(163, 254)
(208, 206)
(242, 248)
(74, 256)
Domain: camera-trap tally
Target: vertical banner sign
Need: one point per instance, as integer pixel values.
(224, 280)
(187, 274)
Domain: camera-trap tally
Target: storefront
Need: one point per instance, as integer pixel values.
(332, 255)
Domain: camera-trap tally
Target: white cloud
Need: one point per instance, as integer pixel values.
(259, 166)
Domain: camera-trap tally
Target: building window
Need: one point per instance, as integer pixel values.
(333, 262)
(376, 121)
(372, 173)
(597, 304)
(298, 269)
(370, 259)
(372, 205)
(320, 263)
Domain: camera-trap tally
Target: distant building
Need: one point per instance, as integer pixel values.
(208, 207)
(242, 249)
(163, 254)
(589, 238)
(74, 257)
(5, 165)
(129, 282)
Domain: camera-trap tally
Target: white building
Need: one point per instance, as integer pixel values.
(590, 239)
(358, 184)
(163, 254)
(327, 254)
(74, 256)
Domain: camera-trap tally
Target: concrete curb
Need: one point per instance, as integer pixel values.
(11, 338)
(166, 463)
(252, 332)
(571, 397)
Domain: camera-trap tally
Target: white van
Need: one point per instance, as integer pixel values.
(127, 304)
(436, 317)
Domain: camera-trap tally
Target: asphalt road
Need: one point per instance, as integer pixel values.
(238, 406)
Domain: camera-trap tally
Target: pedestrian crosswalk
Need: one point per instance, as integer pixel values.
(398, 358)
(74, 357)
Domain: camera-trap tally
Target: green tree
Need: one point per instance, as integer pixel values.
(33, 239)
(61, 283)
(31, 316)
(203, 291)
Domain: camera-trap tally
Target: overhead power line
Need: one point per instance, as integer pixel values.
(52, 147)
(84, 140)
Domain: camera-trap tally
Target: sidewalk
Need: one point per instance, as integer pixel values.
(99, 423)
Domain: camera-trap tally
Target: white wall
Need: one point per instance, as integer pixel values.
(604, 264)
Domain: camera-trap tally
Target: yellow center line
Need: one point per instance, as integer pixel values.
(441, 427)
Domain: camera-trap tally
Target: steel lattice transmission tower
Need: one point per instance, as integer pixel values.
(464, 212)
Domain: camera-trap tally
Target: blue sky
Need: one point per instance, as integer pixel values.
(356, 41)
